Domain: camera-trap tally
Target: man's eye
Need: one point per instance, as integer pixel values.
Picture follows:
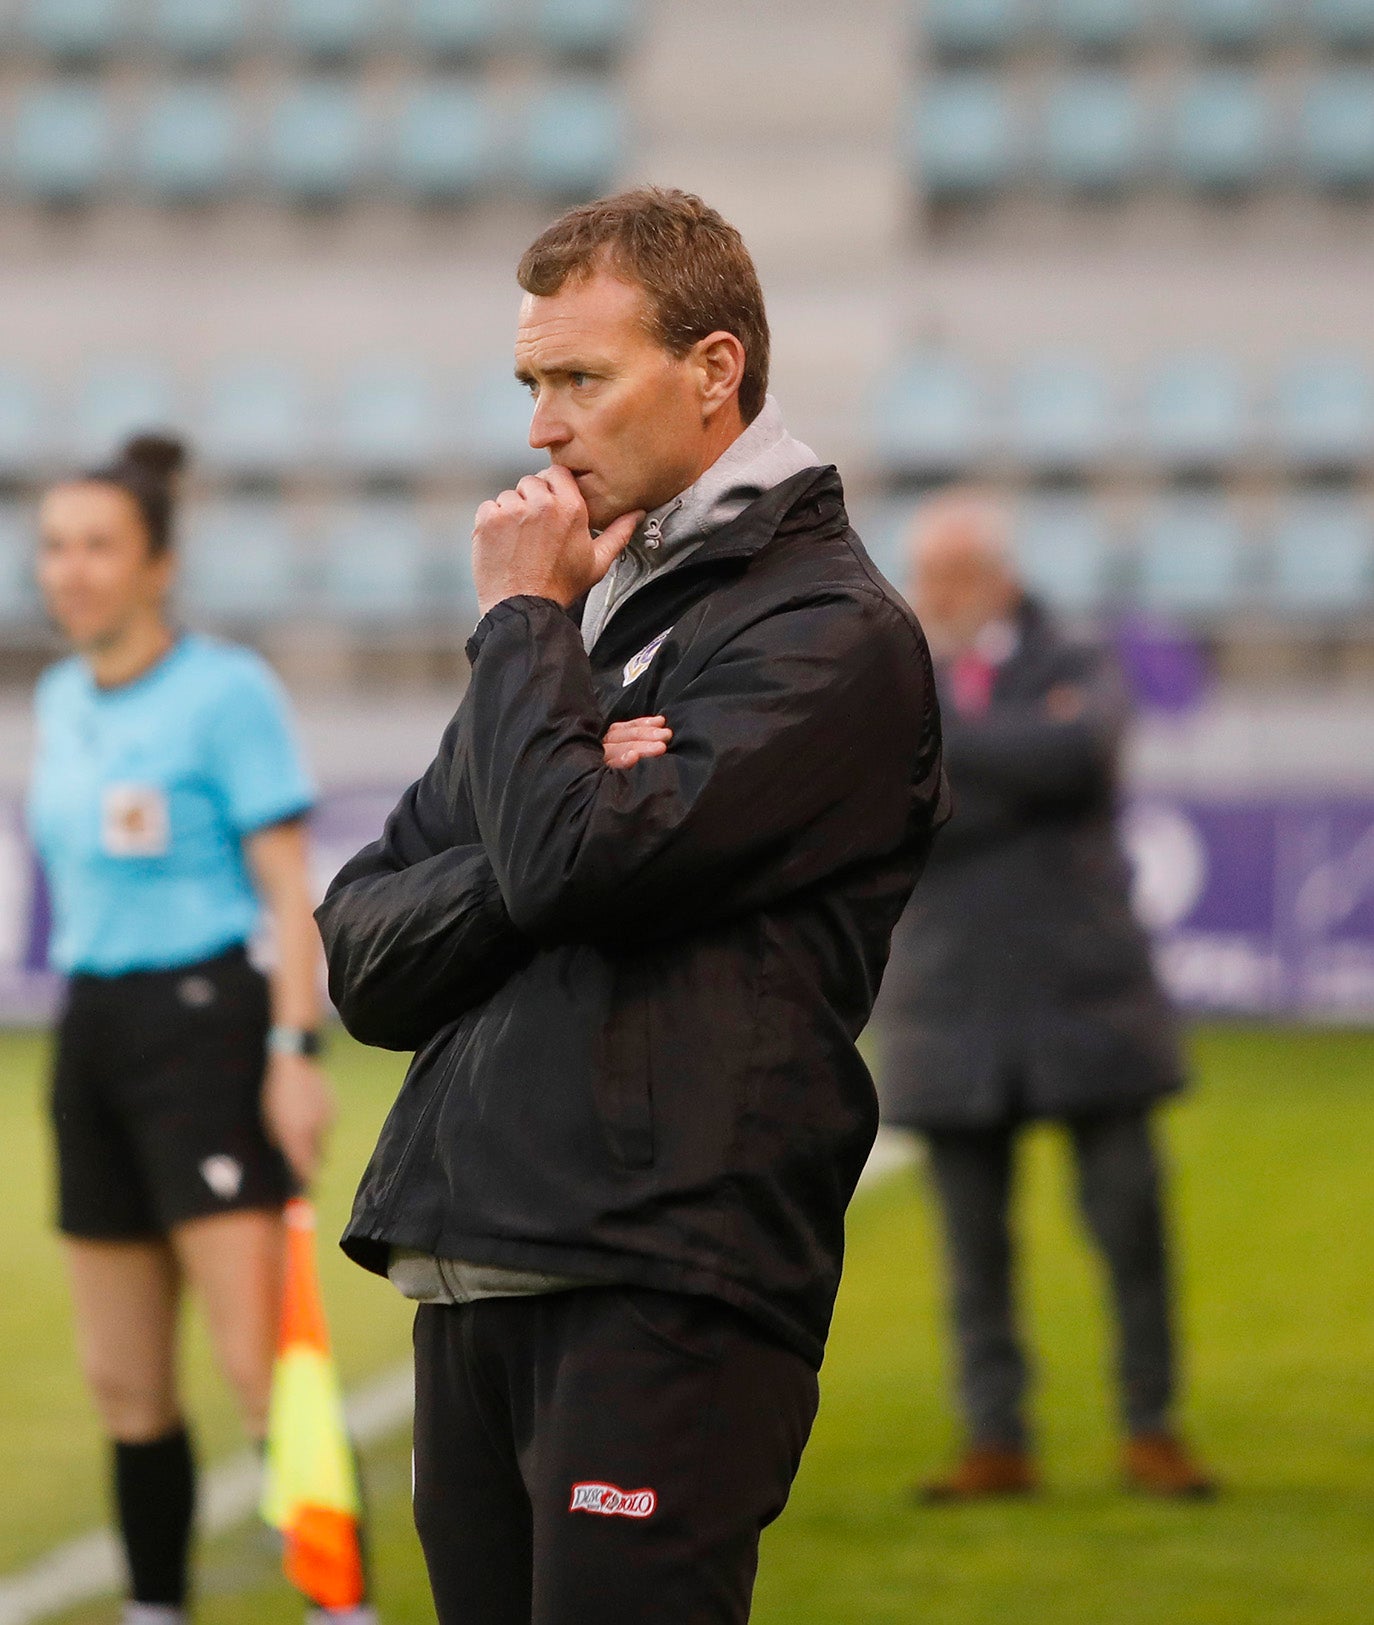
(577, 379)
(530, 388)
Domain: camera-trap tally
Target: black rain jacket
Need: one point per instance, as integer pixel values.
(634, 995)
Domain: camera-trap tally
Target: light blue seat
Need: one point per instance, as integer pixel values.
(1097, 25)
(583, 28)
(1336, 130)
(24, 440)
(1322, 557)
(1346, 24)
(241, 563)
(1223, 137)
(201, 30)
(1193, 558)
(1064, 553)
(573, 141)
(189, 143)
(375, 565)
(454, 28)
(317, 142)
(1324, 413)
(495, 424)
(440, 143)
(1095, 134)
(19, 604)
(388, 424)
(255, 420)
(1063, 417)
(327, 29)
(119, 398)
(75, 29)
(62, 145)
(961, 136)
(971, 27)
(884, 527)
(1194, 413)
(1231, 25)
(932, 418)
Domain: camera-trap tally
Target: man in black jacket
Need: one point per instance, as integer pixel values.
(1021, 988)
(632, 920)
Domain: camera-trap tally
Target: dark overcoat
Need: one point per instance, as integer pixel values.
(1020, 983)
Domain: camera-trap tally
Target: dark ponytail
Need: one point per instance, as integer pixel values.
(147, 468)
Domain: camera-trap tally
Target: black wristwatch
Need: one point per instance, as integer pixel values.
(294, 1041)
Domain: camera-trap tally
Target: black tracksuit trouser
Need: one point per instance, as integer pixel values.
(1120, 1198)
(600, 1453)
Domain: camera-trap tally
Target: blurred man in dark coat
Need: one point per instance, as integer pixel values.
(1020, 988)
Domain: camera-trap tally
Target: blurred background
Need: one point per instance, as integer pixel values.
(1112, 259)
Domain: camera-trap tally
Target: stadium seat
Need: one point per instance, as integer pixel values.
(388, 424)
(189, 143)
(1062, 415)
(116, 399)
(201, 30)
(573, 141)
(1095, 134)
(375, 565)
(1336, 130)
(583, 28)
(1223, 135)
(24, 444)
(240, 563)
(1065, 553)
(447, 29)
(962, 137)
(1322, 557)
(932, 418)
(254, 421)
(62, 143)
(495, 426)
(317, 142)
(1324, 414)
(1348, 25)
(1192, 558)
(1194, 414)
(75, 29)
(1097, 26)
(958, 28)
(18, 540)
(327, 29)
(1230, 25)
(440, 143)
(883, 526)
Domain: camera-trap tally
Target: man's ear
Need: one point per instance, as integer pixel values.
(719, 359)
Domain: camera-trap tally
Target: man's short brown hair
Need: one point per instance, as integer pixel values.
(696, 273)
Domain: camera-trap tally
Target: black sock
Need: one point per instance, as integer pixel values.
(155, 1493)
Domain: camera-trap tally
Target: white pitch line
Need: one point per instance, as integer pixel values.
(91, 1565)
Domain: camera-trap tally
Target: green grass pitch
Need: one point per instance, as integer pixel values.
(1272, 1197)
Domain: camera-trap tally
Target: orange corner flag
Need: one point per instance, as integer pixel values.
(311, 1487)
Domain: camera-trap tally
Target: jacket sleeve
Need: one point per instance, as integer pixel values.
(415, 929)
(794, 753)
(1024, 755)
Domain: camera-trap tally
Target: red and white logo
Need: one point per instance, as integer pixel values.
(611, 1502)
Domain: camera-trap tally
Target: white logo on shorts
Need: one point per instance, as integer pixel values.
(611, 1502)
(224, 1176)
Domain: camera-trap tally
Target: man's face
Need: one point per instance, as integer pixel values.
(611, 405)
(956, 587)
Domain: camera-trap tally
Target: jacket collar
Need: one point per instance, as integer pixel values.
(811, 497)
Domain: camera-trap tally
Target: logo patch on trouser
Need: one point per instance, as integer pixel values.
(611, 1502)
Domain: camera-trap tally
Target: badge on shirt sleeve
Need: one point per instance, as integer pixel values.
(638, 664)
(134, 821)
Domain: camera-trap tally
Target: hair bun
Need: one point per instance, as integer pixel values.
(160, 456)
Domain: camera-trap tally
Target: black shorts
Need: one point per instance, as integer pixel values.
(157, 1100)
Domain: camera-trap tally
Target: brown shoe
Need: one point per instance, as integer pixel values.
(1161, 1464)
(984, 1471)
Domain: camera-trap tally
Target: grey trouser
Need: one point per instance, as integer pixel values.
(1119, 1193)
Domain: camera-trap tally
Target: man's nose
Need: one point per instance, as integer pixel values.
(546, 427)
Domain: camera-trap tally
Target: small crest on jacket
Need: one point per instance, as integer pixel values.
(638, 664)
(611, 1502)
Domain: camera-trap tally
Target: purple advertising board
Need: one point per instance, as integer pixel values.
(1257, 906)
